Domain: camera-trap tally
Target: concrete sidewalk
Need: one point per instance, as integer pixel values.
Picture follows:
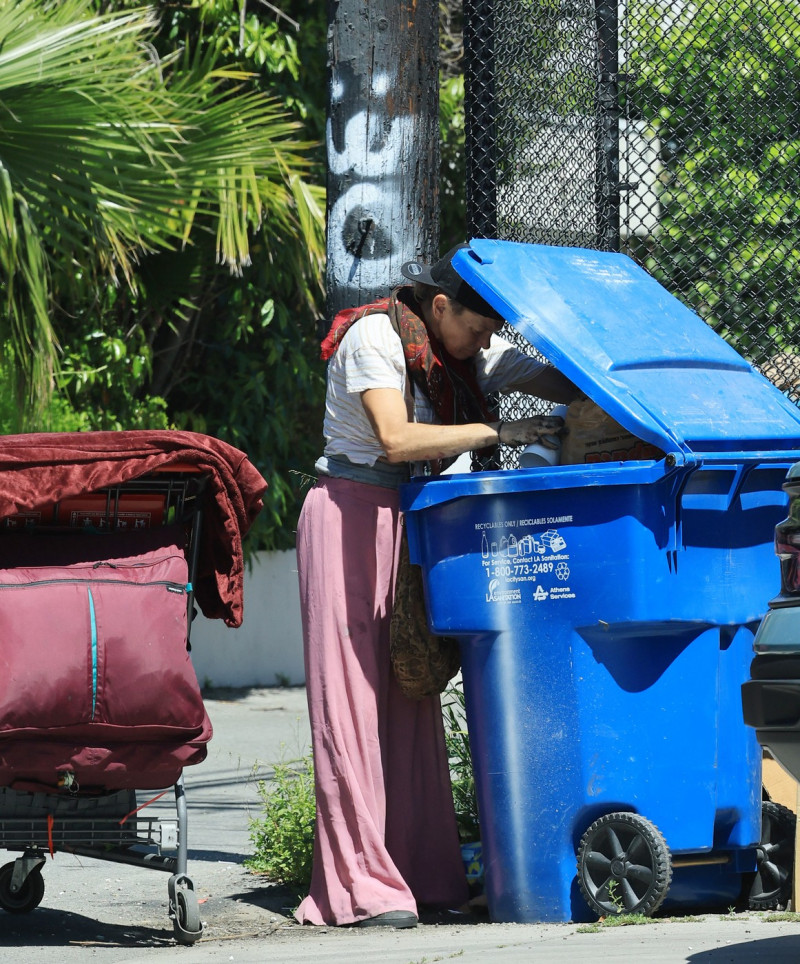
(119, 913)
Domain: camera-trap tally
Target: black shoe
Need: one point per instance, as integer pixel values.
(391, 918)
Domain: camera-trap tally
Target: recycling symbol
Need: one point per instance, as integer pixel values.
(562, 571)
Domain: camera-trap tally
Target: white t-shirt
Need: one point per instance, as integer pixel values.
(371, 356)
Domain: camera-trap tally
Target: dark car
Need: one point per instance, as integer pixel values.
(771, 703)
(771, 698)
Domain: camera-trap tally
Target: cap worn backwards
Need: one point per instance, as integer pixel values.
(444, 276)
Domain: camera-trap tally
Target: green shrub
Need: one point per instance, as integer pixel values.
(461, 773)
(283, 836)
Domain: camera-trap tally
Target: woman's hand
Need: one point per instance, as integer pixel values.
(544, 429)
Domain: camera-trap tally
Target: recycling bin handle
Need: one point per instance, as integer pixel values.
(742, 464)
(725, 458)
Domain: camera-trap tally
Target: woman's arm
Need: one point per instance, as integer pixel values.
(405, 441)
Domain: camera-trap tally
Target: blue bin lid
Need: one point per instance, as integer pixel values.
(645, 358)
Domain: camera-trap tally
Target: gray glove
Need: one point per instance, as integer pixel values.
(544, 429)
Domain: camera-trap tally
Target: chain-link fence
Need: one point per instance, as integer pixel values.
(666, 129)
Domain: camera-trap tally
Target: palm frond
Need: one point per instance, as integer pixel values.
(29, 338)
(108, 153)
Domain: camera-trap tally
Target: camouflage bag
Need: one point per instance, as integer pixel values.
(423, 664)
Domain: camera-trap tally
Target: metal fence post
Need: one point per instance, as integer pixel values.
(480, 108)
(607, 186)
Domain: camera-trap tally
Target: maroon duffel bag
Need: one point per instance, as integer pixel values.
(97, 690)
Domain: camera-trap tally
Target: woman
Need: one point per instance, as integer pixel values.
(406, 383)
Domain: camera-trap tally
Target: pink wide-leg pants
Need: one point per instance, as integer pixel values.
(386, 836)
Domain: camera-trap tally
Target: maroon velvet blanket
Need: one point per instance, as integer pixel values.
(40, 468)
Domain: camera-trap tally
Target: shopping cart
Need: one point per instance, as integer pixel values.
(97, 594)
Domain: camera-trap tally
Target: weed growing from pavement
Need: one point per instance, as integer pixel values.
(283, 835)
(632, 920)
(458, 754)
(616, 899)
(614, 920)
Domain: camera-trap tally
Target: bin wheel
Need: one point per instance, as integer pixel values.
(27, 897)
(184, 910)
(624, 865)
(772, 885)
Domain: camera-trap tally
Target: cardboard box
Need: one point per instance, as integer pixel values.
(780, 785)
(593, 436)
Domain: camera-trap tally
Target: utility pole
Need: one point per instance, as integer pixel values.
(382, 142)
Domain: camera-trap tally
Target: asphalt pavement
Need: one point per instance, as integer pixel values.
(117, 914)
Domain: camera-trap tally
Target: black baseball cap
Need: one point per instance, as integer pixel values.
(444, 276)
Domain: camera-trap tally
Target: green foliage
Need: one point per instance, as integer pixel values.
(717, 80)
(109, 152)
(163, 266)
(283, 836)
(617, 920)
(282, 44)
(258, 373)
(452, 199)
(98, 377)
(461, 772)
(63, 416)
(452, 178)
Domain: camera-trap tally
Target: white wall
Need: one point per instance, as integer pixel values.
(267, 649)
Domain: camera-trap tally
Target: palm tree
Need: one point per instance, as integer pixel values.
(109, 153)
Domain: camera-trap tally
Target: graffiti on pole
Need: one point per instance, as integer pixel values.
(370, 164)
(382, 144)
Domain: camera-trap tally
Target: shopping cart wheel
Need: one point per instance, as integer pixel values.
(29, 895)
(184, 910)
(624, 865)
(772, 885)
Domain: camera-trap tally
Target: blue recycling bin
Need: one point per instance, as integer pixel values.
(606, 612)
